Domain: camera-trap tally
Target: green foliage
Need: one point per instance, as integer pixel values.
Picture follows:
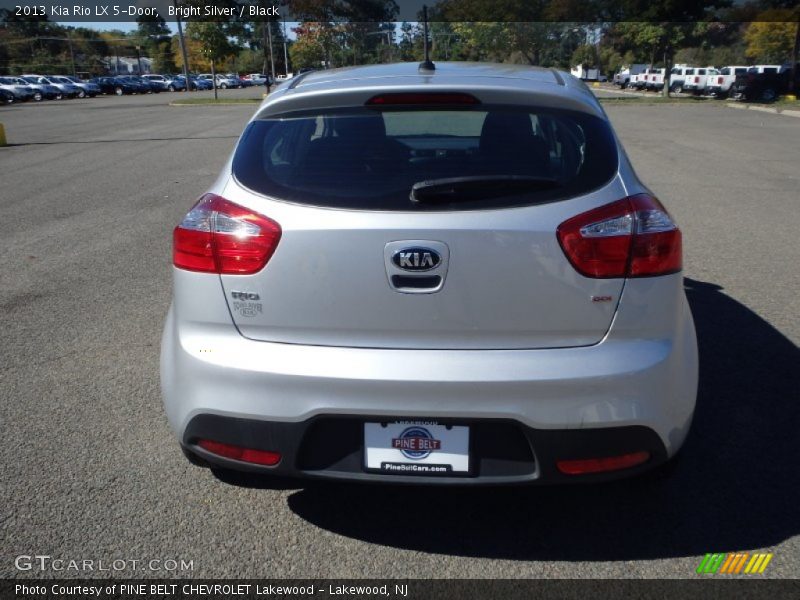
(771, 40)
(585, 55)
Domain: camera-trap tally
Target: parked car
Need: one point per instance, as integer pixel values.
(196, 83)
(244, 82)
(697, 80)
(223, 82)
(153, 86)
(764, 86)
(720, 85)
(140, 85)
(89, 89)
(499, 299)
(40, 91)
(166, 82)
(6, 96)
(68, 89)
(21, 93)
(257, 78)
(114, 85)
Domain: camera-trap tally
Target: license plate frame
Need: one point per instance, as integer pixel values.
(417, 447)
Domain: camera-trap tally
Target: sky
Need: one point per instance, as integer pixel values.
(131, 26)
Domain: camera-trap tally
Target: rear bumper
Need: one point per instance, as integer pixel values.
(501, 451)
(642, 375)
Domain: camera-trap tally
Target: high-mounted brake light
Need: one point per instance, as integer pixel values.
(633, 237)
(249, 455)
(425, 98)
(218, 236)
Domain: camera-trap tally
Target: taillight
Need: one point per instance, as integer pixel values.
(218, 236)
(249, 455)
(602, 465)
(719, 80)
(633, 237)
(696, 79)
(428, 98)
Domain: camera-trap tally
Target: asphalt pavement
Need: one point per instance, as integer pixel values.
(89, 193)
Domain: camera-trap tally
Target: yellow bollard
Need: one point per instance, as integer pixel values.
(596, 84)
(3, 141)
(789, 97)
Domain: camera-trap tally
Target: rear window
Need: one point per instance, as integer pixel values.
(370, 159)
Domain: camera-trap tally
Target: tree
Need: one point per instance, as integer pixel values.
(308, 50)
(585, 55)
(771, 39)
(214, 42)
(155, 39)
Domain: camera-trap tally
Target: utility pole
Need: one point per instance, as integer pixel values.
(183, 50)
(271, 57)
(71, 54)
(285, 54)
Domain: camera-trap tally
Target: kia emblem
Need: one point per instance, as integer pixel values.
(416, 259)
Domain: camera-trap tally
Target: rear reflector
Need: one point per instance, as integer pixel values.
(633, 237)
(601, 465)
(424, 98)
(257, 457)
(218, 236)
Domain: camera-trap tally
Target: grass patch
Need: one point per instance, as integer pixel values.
(655, 100)
(201, 101)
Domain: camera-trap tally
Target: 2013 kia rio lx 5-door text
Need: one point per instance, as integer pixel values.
(447, 276)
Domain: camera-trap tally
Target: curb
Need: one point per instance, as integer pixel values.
(178, 103)
(767, 109)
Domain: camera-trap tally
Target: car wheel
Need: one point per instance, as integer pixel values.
(171, 88)
(59, 96)
(118, 91)
(768, 95)
(624, 85)
(223, 87)
(81, 94)
(678, 88)
(37, 96)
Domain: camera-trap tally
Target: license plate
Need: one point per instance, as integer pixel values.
(416, 448)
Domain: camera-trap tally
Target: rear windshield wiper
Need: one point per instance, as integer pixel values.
(477, 187)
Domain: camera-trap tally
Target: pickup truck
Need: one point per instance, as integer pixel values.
(623, 78)
(696, 82)
(638, 81)
(654, 79)
(765, 86)
(720, 85)
(677, 77)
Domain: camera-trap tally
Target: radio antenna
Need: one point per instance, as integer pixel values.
(427, 64)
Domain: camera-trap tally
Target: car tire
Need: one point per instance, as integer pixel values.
(37, 96)
(119, 91)
(81, 94)
(677, 88)
(171, 88)
(59, 96)
(768, 95)
(223, 87)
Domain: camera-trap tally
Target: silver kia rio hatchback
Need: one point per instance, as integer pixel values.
(441, 276)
